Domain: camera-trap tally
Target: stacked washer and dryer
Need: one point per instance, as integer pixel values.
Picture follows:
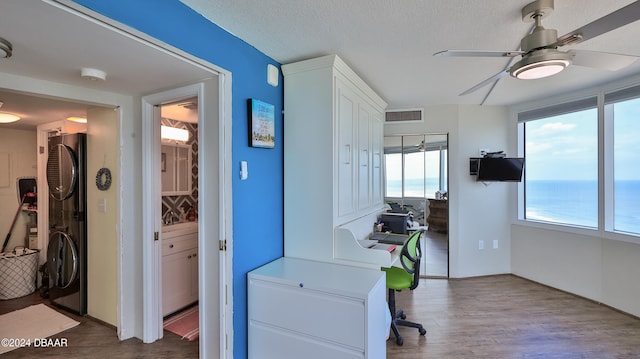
(67, 249)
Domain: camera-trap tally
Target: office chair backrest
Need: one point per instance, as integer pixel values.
(410, 257)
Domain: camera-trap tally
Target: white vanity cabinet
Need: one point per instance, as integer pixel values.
(179, 269)
(333, 162)
(306, 309)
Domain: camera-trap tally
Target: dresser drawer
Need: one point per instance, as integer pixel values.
(273, 343)
(334, 318)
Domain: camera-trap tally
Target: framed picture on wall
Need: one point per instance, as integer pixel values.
(261, 124)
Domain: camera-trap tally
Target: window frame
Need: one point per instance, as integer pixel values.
(605, 228)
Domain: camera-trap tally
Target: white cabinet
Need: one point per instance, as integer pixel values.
(332, 165)
(179, 270)
(306, 309)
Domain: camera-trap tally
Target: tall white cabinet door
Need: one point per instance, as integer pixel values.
(364, 155)
(346, 108)
(377, 147)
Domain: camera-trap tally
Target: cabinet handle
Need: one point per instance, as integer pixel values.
(189, 257)
(195, 255)
(348, 159)
(171, 246)
(365, 156)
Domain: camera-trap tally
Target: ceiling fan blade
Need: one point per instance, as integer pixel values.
(614, 20)
(478, 53)
(602, 60)
(485, 82)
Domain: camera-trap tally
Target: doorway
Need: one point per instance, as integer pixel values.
(416, 182)
(211, 260)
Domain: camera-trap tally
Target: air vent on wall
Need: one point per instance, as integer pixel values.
(403, 116)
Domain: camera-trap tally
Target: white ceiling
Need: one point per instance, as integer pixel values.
(52, 44)
(390, 43)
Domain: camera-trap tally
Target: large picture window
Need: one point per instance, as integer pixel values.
(564, 182)
(561, 176)
(625, 116)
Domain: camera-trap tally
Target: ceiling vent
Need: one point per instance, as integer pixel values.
(404, 116)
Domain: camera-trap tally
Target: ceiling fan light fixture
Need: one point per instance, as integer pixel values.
(540, 69)
(541, 64)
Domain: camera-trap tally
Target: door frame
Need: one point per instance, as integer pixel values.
(214, 137)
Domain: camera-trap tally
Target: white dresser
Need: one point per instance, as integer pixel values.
(306, 309)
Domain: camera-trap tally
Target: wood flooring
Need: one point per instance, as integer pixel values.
(496, 317)
(505, 317)
(93, 339)
(435, 251)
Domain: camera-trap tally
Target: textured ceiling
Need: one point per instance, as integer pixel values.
(390, 43)
(51, 44)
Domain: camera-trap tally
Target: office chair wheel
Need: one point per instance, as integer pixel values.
(422, 331)
(399, 341)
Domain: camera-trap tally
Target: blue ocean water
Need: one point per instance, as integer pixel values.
(413, 188)
(576, 203)
(564, 202)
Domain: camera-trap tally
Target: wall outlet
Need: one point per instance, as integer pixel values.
(481, 244)
(495, 244)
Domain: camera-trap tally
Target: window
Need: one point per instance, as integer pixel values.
(415, 166)
(624, 116)
(393, 175)
(561, 168)
(561, 144)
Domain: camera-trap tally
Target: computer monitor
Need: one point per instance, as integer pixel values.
(395, 222)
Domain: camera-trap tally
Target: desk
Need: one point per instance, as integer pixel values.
(390, 238)
(348, 251)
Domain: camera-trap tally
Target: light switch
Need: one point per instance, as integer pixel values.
(244, 172)
(102, 205)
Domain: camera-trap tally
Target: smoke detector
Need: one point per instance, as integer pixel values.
(93, 74)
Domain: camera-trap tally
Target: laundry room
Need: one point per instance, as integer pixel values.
(70, 164)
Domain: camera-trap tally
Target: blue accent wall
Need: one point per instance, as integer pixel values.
(258, 201)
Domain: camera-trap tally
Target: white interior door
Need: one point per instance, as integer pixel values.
(213, 144)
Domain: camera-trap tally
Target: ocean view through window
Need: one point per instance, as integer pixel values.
(562, 146)
(626, 172)
(562, 169)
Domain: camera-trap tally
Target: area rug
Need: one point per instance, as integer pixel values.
(185, 324)
(34, 323)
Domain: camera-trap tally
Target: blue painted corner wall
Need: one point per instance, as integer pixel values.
(257, 201)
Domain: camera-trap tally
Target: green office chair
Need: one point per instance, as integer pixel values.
(407, 278)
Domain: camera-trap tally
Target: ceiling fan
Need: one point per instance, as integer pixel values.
(539, 52)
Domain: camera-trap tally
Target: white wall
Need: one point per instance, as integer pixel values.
(102, 225)
(590, 263)
(597, 268)
(476, 212)
(21, 147)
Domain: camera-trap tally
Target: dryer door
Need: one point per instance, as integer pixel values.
(62, 259)
(62, 172)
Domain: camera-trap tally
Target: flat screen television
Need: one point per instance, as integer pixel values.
(505, 169)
